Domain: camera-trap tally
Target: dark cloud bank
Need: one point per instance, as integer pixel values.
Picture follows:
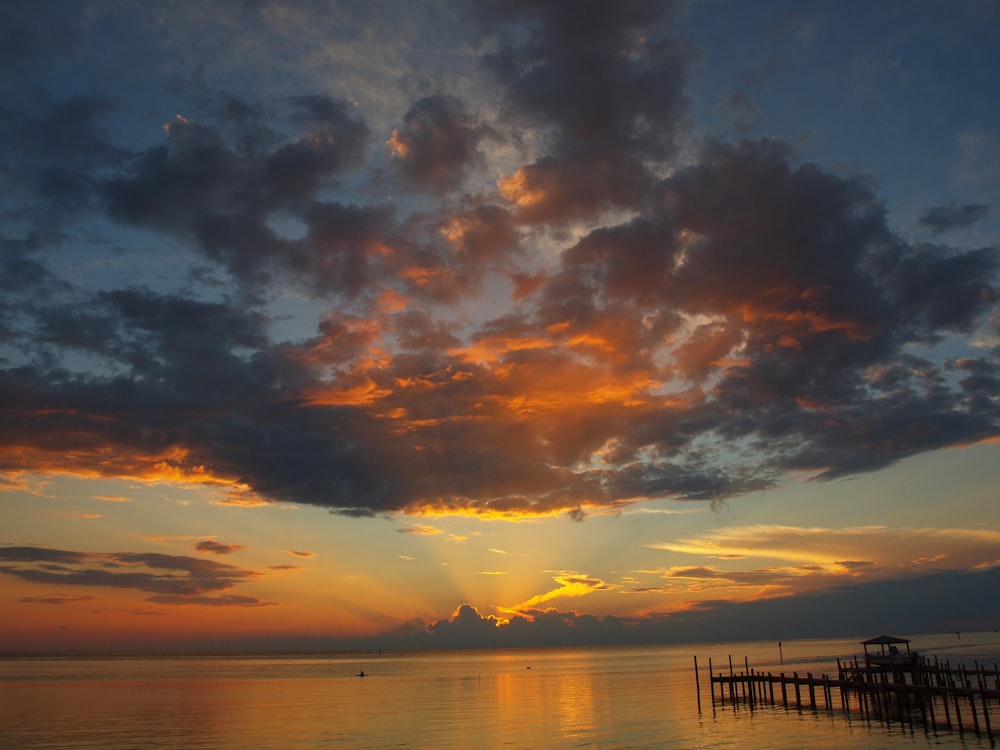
(727, 318)
(887, 606)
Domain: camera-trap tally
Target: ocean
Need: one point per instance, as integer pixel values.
(606, 697)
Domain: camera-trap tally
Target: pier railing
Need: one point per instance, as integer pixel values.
(935, 695)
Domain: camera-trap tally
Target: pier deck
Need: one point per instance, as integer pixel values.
(935, 695)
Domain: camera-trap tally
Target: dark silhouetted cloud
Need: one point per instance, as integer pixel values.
(217, 548)
(885, 606)
(945, 218)
(62, 599)
(211, 601)
(176, 577)
(437, 143)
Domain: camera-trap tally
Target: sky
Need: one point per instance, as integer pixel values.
(411, 325)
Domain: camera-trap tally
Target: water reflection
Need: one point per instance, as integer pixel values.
(568, 698)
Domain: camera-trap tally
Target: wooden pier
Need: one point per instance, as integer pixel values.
(911, 692)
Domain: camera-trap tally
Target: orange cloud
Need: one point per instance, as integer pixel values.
(884, 547)
(571, 585)
(420, 529)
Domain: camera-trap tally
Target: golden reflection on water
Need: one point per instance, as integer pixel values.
(556, 698)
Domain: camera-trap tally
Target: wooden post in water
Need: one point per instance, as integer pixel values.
(986, 716)
(732, 683)
(710, 688)
(697, 684)
(982, 687)
(749, 682)
(972, 707)
(958, 713)
(947, 710)
(930, 708)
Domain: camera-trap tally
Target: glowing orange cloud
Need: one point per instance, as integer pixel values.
(844, 548)
(516, 190)
(365, 392)
(810, 321)
(170, 465)
(571, 585)
(397, 145)
(492, 349)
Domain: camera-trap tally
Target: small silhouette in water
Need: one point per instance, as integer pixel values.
(362, 673)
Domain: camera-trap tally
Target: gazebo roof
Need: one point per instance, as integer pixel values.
(884, 640)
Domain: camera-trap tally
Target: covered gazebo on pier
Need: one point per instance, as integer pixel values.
(889, 645)
(888, 651)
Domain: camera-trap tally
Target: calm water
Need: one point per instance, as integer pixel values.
(627, 697)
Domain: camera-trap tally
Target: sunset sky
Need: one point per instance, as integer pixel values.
(417, 324)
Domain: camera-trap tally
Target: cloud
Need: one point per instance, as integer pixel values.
(202, 187)
(573, 187)
(209, 546)
(29, 40)
(874, 549)
(300, 553)
(437, 143)
(58, 147)
(615, 50)
(946, 218)
(571, 585)
(61, 599)
(467, 626)
(861, 608)
(740, 111)
(112, 499)
(420, 529)
(174, 576)
(231, 600)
